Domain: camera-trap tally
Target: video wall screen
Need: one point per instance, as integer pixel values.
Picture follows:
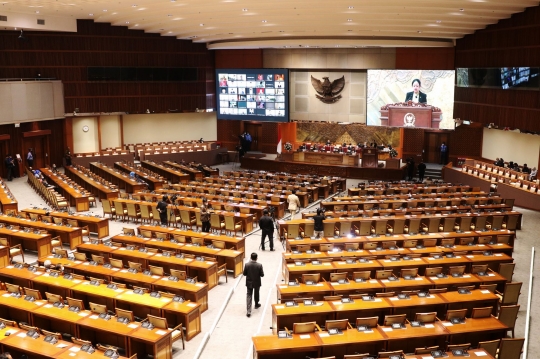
(253, 94)
(411, 98)
(508, 78)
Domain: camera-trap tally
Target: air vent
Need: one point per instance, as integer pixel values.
(3, 18)
(41, 22)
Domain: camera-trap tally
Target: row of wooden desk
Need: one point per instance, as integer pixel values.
(405, 188)
(71, 235)
(96, 224)
(352, 341)
(85, 325)
(98, 189)
(152, 181)
(7, 200)
(120, 179)
(187, 313)
(319, 290)
(173, 175)
(75, 196)
(16, 341)
(294, 271)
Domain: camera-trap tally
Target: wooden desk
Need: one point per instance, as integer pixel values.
(476, 299)
(7, 200)
(284, 316)
(158, 340)
(4, 256)
(153, 182)
(286, 292)
(96, 188)
(122, 180)
(205, 271)
(360, 308)
(299, 346)
(38, 242)
(477, 353)
(99, 225)
(475, 330)
(76, 198)
(19, 276)
(233, 259)
(351, 341)
(19, 343)
(194, 292)
(18, 309)
(193, 173)
(172, 175)
(409, 338)
(73, 235)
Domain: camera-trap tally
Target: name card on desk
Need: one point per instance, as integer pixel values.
(305, 336)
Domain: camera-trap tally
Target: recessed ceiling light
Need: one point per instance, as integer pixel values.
(127, 22)
(133, 5)
(419, 31)
(264, 21)
(351, 7)
(37, 11)
(307, 45)
(438, 21)
(349, 20)
(201, 24)
(349, 30)
(244, 9)
(90, 14)
(104, 10)
(461, 9)
(281, 31)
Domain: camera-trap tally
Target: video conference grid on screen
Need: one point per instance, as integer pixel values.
(246, 94)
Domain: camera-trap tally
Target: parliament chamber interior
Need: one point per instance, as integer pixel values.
(143, 144)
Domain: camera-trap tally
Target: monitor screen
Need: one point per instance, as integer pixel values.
(411, 98)
(253, 94)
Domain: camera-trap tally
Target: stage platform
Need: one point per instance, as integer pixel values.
(274, 165)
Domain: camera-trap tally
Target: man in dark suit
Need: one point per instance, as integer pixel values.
(162, 209)
(416, 95)
(266, 224)
(253, 272)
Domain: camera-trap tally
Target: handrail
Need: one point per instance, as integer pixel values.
(529, 300)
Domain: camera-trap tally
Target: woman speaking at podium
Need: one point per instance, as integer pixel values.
(416, 95)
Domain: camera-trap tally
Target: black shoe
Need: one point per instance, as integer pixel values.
(248, 315)
(262, 249)
(257, 306)
(271, 249)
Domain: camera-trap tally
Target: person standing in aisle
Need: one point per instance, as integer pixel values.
(253, 272)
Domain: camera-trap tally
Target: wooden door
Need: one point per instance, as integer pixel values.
(255, 130)
(432, 144)
(40, 146)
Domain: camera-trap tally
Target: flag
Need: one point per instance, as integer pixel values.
(279, 139)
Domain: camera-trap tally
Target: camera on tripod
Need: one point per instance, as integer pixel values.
(174, 198)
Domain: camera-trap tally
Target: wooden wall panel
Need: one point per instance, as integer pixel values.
(66, 56)
(425, 58)
(239, 59)
(512, 42)
(412, 142)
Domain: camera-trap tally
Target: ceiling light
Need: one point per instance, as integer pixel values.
(244, 9)
(349, 20)
(90, 14)
(37, 11)
(127, 22)
(419, 31)
(461, 9)
(133, 5)
(351, 7)
(264, 21)
(105, 10)
(201, 24)
(438, 21)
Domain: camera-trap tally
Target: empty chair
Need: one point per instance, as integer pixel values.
(490, 346)
(456, 313)
(334, 277)
(491, 287)
(451, 347)
(479, 268)
(508, 316)
(326, 247)
(216, 223)
(311, 278)
(122, 313)
(426, 350)
(34, 293)
(352, 246)
(507, 270)
(136, 266)
(511, 292)
(133, 212)
(397, 353)
(465, 223)
(342, 324)
(510, 348)
(232, 227)
(156, 270)
(395, 319)
(383, 274)
(161, 323)
(425, 317)
(303, 328)
(77, 303)
(120, 211)
(484, 312)
(14, 251)
(453, 270)
(107, 209)
(409, 272)
(365, 275)
(187, 219)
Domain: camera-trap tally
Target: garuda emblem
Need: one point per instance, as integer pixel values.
(328, 92)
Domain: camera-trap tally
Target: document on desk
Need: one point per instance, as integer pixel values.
(305, 336)
(480, 354)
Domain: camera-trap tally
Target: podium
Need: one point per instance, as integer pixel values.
(409, 114)
(370, 157)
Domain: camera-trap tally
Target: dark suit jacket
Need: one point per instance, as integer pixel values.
(422, 97)
(253, 272)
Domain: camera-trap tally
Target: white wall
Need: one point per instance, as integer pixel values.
(110, 131)
(170, 127)
(85, 141)
(512, 146)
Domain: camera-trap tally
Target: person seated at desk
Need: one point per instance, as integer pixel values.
(532, 175)
(302, 147)
(525, 169)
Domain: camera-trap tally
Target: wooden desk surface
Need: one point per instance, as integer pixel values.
(59, 281)
(416, 301)
(19, 303)
(23, 273)
(21, 342)
(473, 353)
(270, 343)
(97, 290)
(359, 304)
(111, 326)
(475, 325)
(350, 336)
(300, 309)
(475, 295)
(97, 188)
(428, 330)
(64, 314)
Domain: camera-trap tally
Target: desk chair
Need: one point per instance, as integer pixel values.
(330, 298)
(370, 322)
(14, 251)
(34, 293)
(128, 231)
(9, 323)
(510, 295)
(80, 256)
(97, 308)
(218, 244)
(303, 247)
(177, 237)
(507, 270)
(510, 348)
(142, 289)
(116, 263)
(448, 242)
(303, 328)
(484, 312)
(180, 274)
(365, 275)
(63, 253)
(134, 265)
(311, 278)
(508, 315)
(342, 324)
(412, 272)
(13, 288)
(133, 212)
(98, 259)
(398, 353)
(216, 223)
(28, 327)
(161, 323)
(451, 347)
(352, 246)
(85, 229)
(108, 209)
(426, 350)
(456, 270)
(395, 319)
(455, 313)
(156, 270)
(122, 313)
(490, 346)
(187, 219)
(146, 213)
(410, 243)
(222, 270)
(389, 245)
(433, 271)
(428, 317)
(47, 333)
(75, 303)
(384, 274)
(53, 298)
(334, 277)
(491, 287)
